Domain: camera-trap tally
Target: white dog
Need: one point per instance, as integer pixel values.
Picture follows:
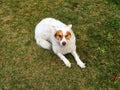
(51, 33)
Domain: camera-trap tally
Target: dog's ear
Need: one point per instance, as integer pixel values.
(69, 26)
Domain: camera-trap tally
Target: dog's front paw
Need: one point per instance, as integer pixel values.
(82, 65)
(68, 64)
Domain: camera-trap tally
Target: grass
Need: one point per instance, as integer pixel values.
(25, 66)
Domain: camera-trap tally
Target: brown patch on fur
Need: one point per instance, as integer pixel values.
(59, 35)
(68, 35)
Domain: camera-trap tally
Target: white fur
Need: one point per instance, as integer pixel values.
(44, 36)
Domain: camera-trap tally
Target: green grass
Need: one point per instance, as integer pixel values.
(25, 66)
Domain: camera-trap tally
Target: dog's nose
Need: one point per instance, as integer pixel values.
(63, 43)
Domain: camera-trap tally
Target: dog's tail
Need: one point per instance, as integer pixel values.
(43, 43)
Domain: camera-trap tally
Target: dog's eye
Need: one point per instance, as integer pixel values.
(60, 36)
(66, 36)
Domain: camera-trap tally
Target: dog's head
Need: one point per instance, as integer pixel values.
(63, 35)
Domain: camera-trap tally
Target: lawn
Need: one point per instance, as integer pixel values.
(25, 66)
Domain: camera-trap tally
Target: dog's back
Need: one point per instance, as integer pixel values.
(43, 32)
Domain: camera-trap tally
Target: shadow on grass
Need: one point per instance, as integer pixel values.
(117, 2)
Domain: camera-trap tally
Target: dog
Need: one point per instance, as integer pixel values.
(53, 34)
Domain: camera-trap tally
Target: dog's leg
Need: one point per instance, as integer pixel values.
(79, 62)
(44, 44)
(63, 58)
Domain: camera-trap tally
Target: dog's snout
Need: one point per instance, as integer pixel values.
(63, 43)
